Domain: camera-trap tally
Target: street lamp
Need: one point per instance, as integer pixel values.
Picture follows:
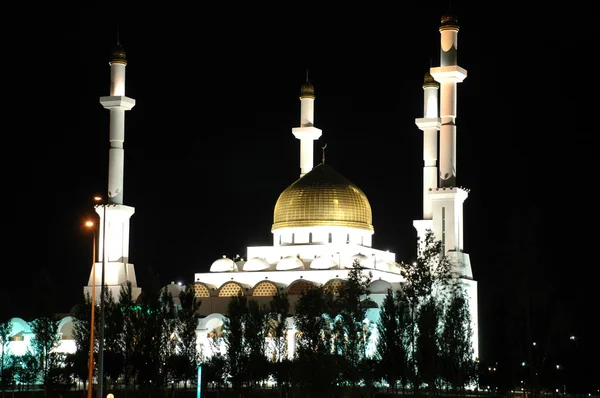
(98, 199)
(90, 224)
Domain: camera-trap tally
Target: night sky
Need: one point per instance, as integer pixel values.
(209, 144)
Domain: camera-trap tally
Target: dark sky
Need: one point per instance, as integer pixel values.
(209, 144)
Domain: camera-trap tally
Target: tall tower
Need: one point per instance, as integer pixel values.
(113, 245)
(430, 125)
(307, 132)
(442, 199)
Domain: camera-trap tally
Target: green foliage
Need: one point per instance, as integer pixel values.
(427, 279)
(46, 340)
(459, 364)
(5, 376)
(237, 350)
(276, 322)
(430, 274)
(313, 322)
(186, 324)
(427, 343)
(26, 368)
(393, 344)
(351, 333)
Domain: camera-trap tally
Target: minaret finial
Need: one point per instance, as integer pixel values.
(307, 75)
(323, 149)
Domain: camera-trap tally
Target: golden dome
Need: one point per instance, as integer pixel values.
(449, 22)
(429, 81)
(118, 55)
(323, 197)
(307, 90)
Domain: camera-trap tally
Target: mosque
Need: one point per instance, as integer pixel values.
(322, 222)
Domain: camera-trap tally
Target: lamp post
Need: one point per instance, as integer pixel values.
(90, 224)
(101, 343)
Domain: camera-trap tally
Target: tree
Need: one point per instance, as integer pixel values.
(81, 334)
(113, 342)
(427, 354)
(45, 342)
(429, 275)
(5, 330)
(237, 350)
(187, 321)
(127, 313)
(26, 368)
(277, 332)
(456, 344)
(214, 371)
(392, 343)
(353, 334)
(255, 333)
(149, 322)
(315, 368)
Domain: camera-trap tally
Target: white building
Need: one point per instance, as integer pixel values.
(322, 222)
(21, 335)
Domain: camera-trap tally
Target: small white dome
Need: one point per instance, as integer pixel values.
(323, 263)
(174, 288)
(289, 263)
(223, 265)
(256, 264)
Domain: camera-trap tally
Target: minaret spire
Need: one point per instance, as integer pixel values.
(448, 74)
(113, 249)
(306, 133)
(430, 125)
(443, 199)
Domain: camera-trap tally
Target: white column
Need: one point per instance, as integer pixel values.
(430, 125)
(114, 216)
(448, 75)
(307, 133)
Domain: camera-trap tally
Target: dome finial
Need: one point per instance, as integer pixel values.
(323, 149)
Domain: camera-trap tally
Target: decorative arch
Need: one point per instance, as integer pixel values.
(299, 287)
(213, 324)
(231, 289)
(19, 328)
(19, 325)
(380, 286)
(333, 285)
(65, 328)
(265, 288)
(201, 290)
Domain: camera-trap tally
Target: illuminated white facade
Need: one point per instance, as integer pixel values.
(21, 334)
(322, 222)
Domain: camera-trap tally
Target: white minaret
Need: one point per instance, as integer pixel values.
(430, 125)
(445, 202)
(449, 74)
(307, 132)
(113, 242)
